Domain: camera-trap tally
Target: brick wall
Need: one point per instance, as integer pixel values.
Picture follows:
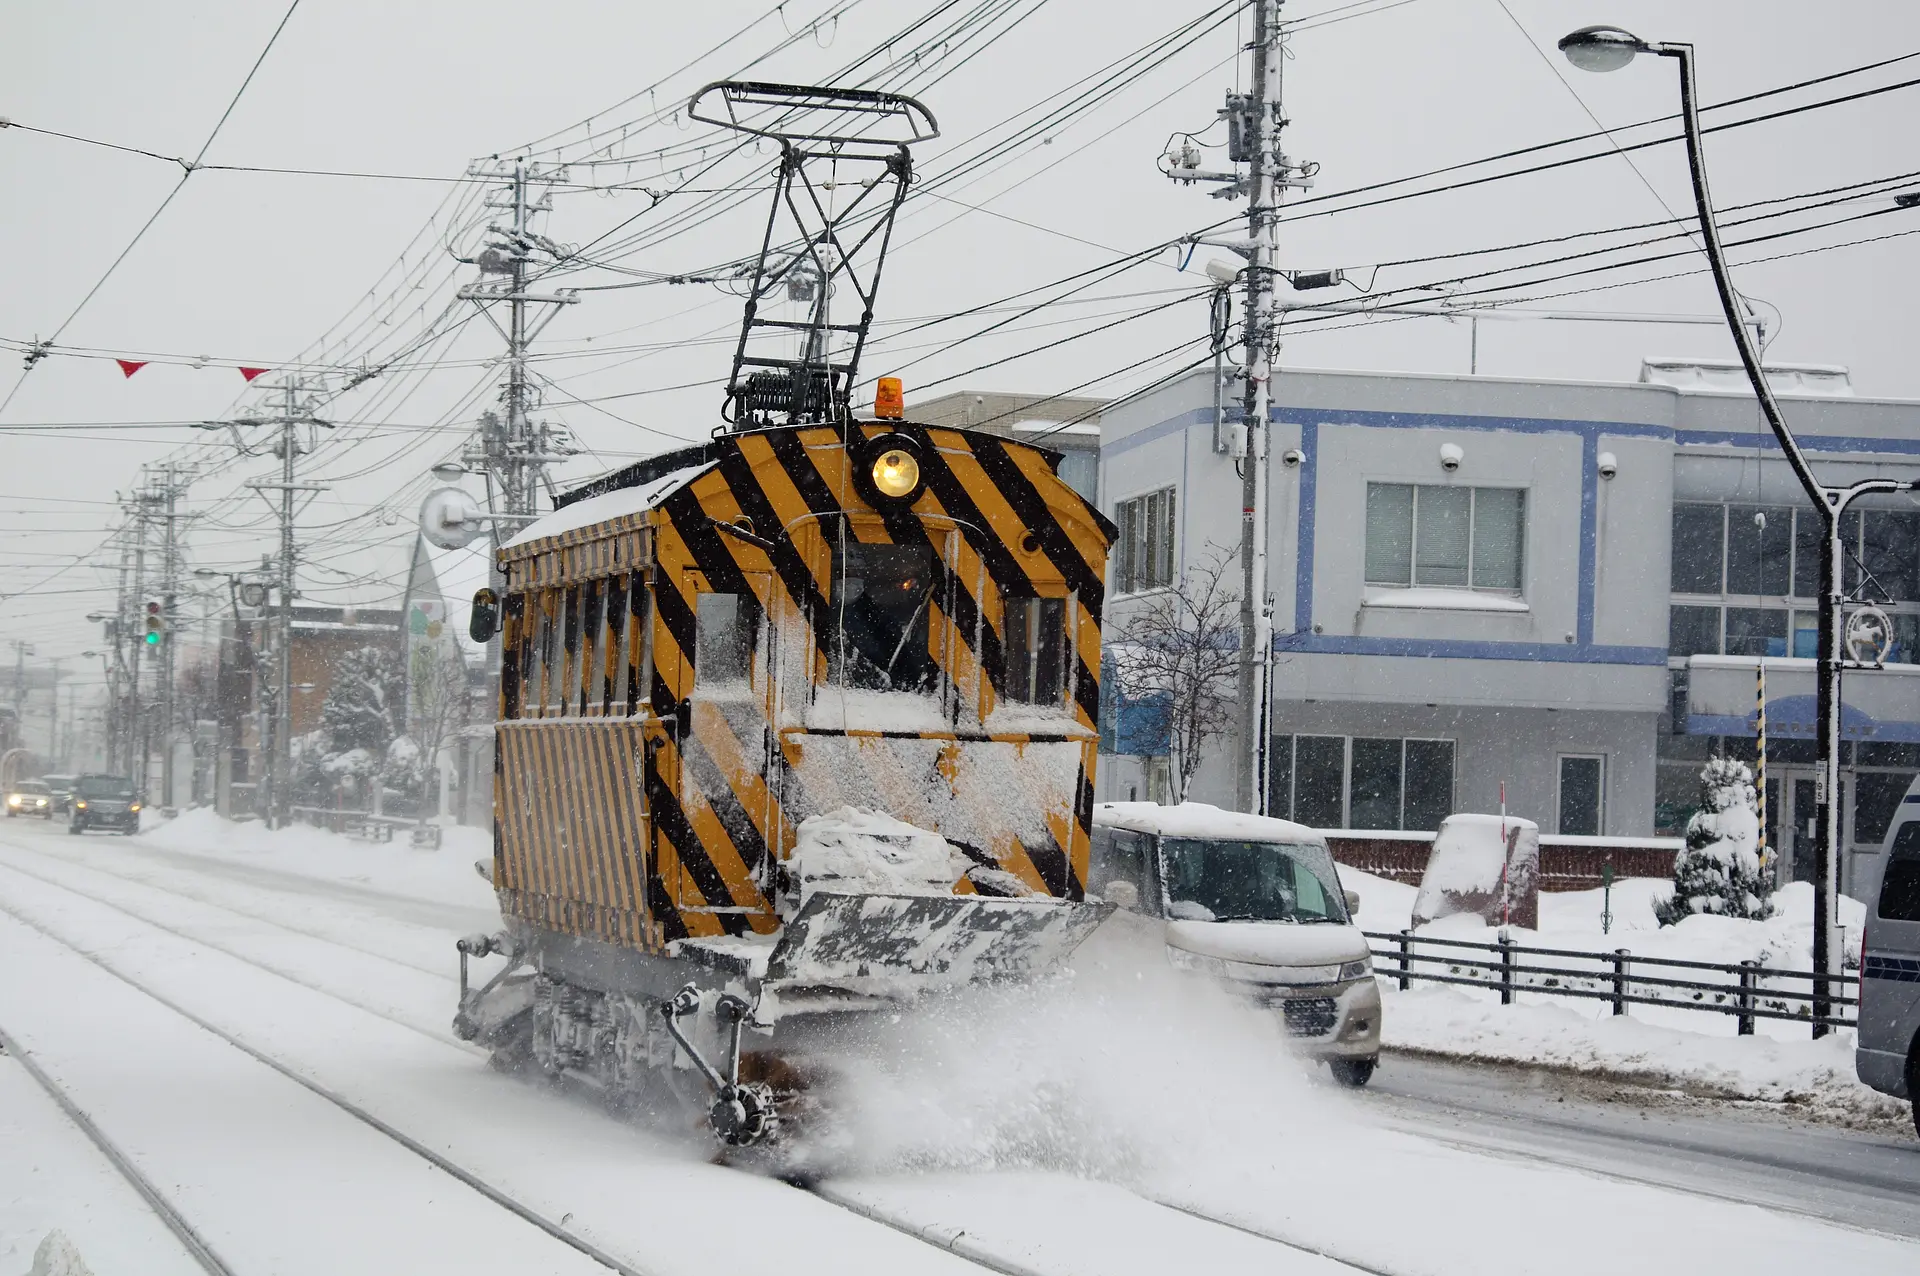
(1566, 864)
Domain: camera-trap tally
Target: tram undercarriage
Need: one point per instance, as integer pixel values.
(744, 1031)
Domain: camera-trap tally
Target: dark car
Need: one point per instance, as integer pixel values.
(61, 787)
(104, 802)
(30, 797)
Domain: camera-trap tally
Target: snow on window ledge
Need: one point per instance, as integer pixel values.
(1430, 598)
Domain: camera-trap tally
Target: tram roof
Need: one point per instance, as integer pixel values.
(577, 512)
(645, 472)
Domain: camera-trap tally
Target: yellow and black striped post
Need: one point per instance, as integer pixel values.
(1760, 757)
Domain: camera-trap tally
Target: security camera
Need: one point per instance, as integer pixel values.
(1450, 457)
(1292, 457)
(1609, 465)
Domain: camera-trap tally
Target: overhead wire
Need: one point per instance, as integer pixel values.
(186, 173)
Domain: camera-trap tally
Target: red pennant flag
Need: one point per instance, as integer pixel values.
(130, 366)
(251, 373)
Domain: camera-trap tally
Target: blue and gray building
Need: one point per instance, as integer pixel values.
(1564, 588)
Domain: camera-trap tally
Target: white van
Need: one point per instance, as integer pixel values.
(1255, 902)
(1887, 1054)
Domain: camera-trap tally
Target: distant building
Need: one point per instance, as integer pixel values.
(1564, 588)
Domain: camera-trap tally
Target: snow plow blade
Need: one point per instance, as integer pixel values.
(907, 944)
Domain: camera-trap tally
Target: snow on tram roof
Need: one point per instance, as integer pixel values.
(596, 509)
(1199, 819)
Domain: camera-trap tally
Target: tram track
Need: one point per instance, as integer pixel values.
(196, 1245)
(358, 1113)
(147, 882)
(445, 1039)
(953, 1237)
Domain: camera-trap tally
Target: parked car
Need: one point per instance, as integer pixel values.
(1887, 1052)
(1255, 902)
(61, 786)
(30, 797)
(105, 802)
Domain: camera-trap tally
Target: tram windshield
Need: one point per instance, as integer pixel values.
(1225, 880)
(880, 618)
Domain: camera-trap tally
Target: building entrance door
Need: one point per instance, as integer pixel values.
(1795, 832)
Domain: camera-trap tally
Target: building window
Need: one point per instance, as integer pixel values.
(1144, 548)
(1362, 782)
(1773, 551)
(1738, 571)
(1451, 537)
(1582, 794)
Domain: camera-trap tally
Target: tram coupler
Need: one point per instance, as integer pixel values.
(469, 1022)
(740, 1115)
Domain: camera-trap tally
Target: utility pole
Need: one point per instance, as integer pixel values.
(509, 446)
(1254, 121)
(163, 496)
(21, 650)
(53, 716)
(283, 498)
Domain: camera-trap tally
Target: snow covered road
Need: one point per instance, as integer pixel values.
(1865, 1178)
(351, 983)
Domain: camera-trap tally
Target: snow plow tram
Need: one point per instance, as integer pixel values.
(795, 724)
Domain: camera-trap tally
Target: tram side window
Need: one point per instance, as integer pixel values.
(566, 691)
(1900, 888)
(880, 618)
(1036, 649)
(533, 660)
(636, 665)
(613, 677)
(593, 647)
(724, 640)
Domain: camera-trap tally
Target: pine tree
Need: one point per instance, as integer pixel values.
(1719, 869)
(359, 710)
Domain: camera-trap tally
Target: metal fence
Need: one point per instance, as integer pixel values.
(1747, 990)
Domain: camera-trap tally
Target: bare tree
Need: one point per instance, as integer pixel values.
(439, 708)
(1182, 645)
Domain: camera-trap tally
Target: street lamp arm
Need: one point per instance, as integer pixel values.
(1723, 282)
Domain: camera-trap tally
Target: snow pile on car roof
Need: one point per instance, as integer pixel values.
(1199, 819)
(857, 851)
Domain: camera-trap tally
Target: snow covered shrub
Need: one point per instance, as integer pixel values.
(359, 710)
(1719, 869)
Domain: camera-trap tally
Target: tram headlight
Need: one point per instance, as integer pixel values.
(891, 470)
(896, 472)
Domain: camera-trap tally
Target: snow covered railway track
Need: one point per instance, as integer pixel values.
(196, 1246)
(340, 1102)
(236, 952)
(1032, 1224)
(148, 882)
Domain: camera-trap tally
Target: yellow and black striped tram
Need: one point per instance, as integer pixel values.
(704, 652)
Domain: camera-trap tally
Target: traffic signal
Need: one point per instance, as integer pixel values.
(156, 624)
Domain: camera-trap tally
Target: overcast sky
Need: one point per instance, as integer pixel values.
(326, 271)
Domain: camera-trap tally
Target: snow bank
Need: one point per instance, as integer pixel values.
(1780, 1063)
(394, 868)
(1817, 1074)
(861, 852)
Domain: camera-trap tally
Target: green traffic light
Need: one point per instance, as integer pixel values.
(153, 640)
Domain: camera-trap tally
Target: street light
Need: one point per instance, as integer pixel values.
(1608, 48)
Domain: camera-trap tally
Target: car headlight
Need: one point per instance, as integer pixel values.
(1184, 960)
(133, 806)
(1357, 969)
(79, 806)
(13, 799)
